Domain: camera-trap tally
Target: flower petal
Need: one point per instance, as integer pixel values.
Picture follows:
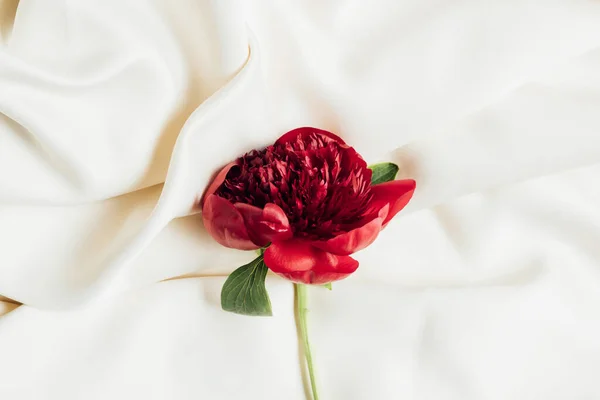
(299, 261)
(292, 135)
(225, 224)
(356, 239)
(395, 193)
(217, 182)
(265, 225)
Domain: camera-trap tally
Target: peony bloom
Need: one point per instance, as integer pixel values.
(309, 198)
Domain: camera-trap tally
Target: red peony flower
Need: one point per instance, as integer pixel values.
(309, 198)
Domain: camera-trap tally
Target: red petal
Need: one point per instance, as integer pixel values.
(225, 224)
(265, 225)
(299, 261)
(218, 181)
(395, 193)
(306, 131)
(356, 239)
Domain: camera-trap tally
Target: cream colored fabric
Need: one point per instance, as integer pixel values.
(486, 287)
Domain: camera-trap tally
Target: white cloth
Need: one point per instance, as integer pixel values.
(486, 287)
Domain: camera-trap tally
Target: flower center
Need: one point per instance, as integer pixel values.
(316, 181)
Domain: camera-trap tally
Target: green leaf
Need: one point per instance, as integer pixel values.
(383, 172)
(327, 286)
(244, 290)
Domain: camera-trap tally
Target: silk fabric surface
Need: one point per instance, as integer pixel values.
(115, 114)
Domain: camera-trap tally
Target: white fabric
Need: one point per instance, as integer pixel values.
(486, 287)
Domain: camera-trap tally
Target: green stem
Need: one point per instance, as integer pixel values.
(301, 295)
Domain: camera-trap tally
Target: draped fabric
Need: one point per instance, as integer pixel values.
(115, 114)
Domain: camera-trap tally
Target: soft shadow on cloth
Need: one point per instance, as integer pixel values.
(8, 9)
(7, 305)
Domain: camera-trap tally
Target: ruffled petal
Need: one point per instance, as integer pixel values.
(217, 182)
(292, 135)
(265, 225)
(356, 239)
(396, 194)
(351, 156)
(225, 224)
(299, 261)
